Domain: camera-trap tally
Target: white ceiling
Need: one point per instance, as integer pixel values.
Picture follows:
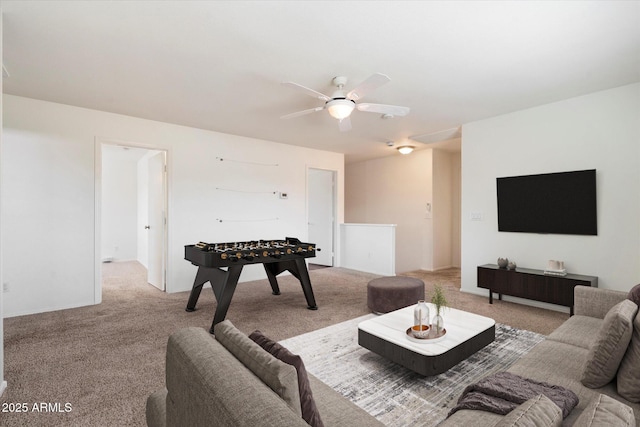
(218, 65)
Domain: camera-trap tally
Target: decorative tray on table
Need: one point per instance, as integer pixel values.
(429, 339)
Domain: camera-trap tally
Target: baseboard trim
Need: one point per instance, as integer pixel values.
(433, 270)
(446, 268)
(46, 309)
(3, 387)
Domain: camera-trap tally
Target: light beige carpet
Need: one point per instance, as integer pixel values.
(104, 360)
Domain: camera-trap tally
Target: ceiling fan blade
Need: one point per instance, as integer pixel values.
(370, 84)
(302, 113)
(306, 90)
(345, 124)
(393, 110)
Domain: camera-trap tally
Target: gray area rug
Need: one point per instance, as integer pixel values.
(395, 395)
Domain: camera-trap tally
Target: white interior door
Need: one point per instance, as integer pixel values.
(156, 226)
(321, 214)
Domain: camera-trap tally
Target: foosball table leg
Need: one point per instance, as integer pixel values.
(305, 281)
(224, 294)
(201, 278)
(272, 271)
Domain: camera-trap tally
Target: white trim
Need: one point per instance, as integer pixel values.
(356, 224)
(3, 387)
(98, 143)
(446, 267)
(336, 226)
(97, 264)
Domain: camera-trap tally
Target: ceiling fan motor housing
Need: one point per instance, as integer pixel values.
(340, 108)
(341, 103)
(340, 81)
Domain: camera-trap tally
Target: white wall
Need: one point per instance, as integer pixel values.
(369, 247)
(598, 131)
(396, 190)
(48, 162)
(119, 203)
(443, 200)
(3, 383)
(456, 232)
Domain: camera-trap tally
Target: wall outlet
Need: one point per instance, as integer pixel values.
(5, 287)
(284, 195)
(476, 216)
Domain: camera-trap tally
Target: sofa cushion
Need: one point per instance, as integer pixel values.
(281, 377)
(605, 411)
(308, 406)
(577, 330)
(468, 417)
(629, 372)
(539, 411)
(156, 409)
(634, 295)
(613, 339)
(335, 408)
(595, 302)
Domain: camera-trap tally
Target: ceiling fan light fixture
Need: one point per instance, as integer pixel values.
(340, 108)
(406, 149)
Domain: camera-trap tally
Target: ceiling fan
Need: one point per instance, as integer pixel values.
(341, 103)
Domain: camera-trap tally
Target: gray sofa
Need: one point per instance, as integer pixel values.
(211, 384)
(560, 359)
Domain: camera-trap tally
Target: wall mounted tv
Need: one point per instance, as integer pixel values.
(553, 203)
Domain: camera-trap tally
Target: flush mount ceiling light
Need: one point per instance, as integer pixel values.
(340, 108)
(406, 149)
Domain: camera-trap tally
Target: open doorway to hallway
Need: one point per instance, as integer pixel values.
(133, 201)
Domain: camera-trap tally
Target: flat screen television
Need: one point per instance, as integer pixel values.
(550, 203)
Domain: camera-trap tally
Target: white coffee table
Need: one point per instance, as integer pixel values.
(386, 335)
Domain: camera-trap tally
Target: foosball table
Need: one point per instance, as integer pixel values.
(276, 256)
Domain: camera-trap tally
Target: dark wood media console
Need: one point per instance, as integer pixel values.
(532, 284)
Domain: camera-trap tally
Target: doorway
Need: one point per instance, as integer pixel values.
(131, 209)
(321, 214)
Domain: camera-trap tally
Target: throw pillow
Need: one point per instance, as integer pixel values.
(634, 295)
(539, 411)
(606, 354)
(606, 411)
(279, 376)
(308, 406)
(629, 372)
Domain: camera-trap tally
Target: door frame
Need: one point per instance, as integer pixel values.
(98, 143)
(334, 198)
(164, 222)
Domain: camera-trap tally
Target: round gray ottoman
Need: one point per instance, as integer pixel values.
(387, 294)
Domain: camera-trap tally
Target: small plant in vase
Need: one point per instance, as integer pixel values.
(440, 301)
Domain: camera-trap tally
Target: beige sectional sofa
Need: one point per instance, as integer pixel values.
(561, 358)
(211, 384)
(232, 381)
